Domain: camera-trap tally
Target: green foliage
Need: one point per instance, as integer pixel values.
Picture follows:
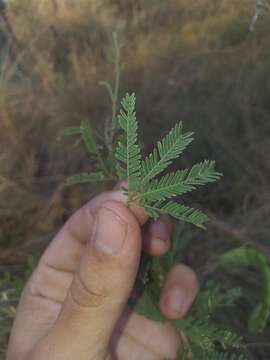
(85, 178)
(113, 89)
(100, 148)
(148, 306)
(212, 298)
(11, 286)
(14, 284)
(129, 153)
(85, 133)
(205, 337)
(181, 182)
(179, 212)
(167, 150)
(88, 138)
(246, 256)
(152, 193)
(218, 356)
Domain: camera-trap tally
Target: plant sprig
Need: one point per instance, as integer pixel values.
(143, 185)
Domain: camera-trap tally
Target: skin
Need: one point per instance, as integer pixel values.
(74, 304)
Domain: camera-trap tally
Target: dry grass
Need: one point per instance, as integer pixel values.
(195, 61)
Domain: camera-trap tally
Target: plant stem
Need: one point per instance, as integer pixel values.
(117, 72)
(113, 91)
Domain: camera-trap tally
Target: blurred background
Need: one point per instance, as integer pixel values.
(206, 62)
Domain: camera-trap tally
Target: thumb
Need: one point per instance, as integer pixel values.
(100, 288)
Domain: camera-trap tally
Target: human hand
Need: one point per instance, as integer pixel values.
(74, 306)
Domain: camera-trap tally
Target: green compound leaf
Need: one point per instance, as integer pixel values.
(86, 134)
(213, 298)
(177, 211)
(202, 333)
(181, 182)
(167, 150)
(84, 178)
(149, 283)
(219, 356)
(88, 138)
(143, 187)
(75, 130)
(246, 256)
(128, 153)
(148, 306)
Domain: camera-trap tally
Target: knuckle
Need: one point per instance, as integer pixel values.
(79, 226)
(34, 284)
(88, 295)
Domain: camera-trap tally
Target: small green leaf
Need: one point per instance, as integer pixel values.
(129, 153)
(84, 178)
(148, 306)
(177, 211)
(143, 186)
(88, 138)
(246, 256)
(212, 298)
(180, 182)
(75, 130)
(167, 150)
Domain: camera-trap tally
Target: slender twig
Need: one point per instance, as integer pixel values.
(117, 73)
(113, 91)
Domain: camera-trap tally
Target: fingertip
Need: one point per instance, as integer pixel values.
(121, 211)
(140, 214)
(157, 236)
(119, 196)
(154, 246)
(179, 291)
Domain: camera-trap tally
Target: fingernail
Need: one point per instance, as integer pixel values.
(110, 232)
(159, 230)
(176, 300)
